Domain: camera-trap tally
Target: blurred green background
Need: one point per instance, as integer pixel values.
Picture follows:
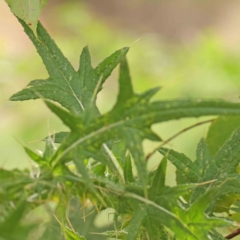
(190, 48)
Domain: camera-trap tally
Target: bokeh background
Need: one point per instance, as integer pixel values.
(191, 48)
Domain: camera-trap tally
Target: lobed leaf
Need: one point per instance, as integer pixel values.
(74, 90)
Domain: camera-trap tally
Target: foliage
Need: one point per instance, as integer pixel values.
(93, 167)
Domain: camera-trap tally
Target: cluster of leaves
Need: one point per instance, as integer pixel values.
(93, 163)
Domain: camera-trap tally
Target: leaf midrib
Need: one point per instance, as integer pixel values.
(65, 77)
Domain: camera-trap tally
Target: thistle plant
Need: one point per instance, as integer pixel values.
(100, 164)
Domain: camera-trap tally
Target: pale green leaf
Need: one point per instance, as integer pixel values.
(27, 10)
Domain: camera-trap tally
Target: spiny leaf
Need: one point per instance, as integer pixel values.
(134, 144)
(73, 90)
(154, 230)
(203, 157)
(125, 85)
(169, 213)
(187, 172)
(139, 115)
(222, 167)
(28, 11)
(128, 175)
(228, 157)
(197, 219)
(220, 131)
(158, 181)
(135, 224)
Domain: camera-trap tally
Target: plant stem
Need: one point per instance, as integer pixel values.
(177, 134)
(233, 234)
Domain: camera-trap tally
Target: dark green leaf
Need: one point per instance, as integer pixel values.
(135, 224)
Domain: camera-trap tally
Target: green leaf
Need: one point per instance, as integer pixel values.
(187, 171)
(125, 85)
(74, 90)
(167, 207)
(203, 158)
(158, 181)
(198, 220)
(34, 156)
(215, 170)
(138, 116)
(134, 144)
(135, 224)
(220, 131)
(128, 174)
(71, 235)
(155, 231)
(28, 11)
(227, 158)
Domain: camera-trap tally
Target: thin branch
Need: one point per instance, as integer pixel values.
(233, 234)
(176, 135)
